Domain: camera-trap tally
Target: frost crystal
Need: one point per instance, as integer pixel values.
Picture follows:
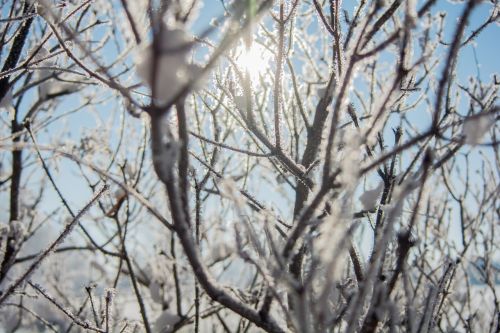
(173, 72)
(110, 294)
(476, 127)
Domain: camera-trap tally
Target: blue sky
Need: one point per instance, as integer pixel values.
(487, 51)
(488, 47)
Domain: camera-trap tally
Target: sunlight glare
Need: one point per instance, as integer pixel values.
(254, 60)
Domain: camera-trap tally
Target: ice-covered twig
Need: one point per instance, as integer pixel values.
(84, 324)
(67, 229)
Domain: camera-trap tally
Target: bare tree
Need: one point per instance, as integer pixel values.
(303, 166)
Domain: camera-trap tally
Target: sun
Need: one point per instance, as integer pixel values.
(253, 60)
